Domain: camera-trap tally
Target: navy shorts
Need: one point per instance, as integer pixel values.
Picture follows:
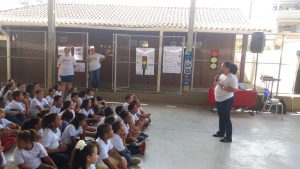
(67, 79)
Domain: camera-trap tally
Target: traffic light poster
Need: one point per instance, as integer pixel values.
(145, 61)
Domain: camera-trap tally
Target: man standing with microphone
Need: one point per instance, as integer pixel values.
(225, 85)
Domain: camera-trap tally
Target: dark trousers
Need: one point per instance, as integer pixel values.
(95, 78)
(18, 119)
(126, 154)
(225, 126)
(61, 160)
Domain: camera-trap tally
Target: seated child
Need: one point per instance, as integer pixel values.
(39, 104)
(34, 123)
(134, 138)
(58, 90)
(31, 154)
(141, 113)
(72, 90)
(84, 155)
(128, 100)
(133, 109)
(51, 140)
(16, 110)
(90, 93)
(9, 131)
(66, 117)
(119, 143)
(50, 97)
(86, 109)
(74, 130)
(58, 104)
(109, 157)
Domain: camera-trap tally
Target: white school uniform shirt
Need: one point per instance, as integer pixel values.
(31, 158)
(104, 148)
(125, 106)
(134, 118)
(3, 160)
(50, 100)
(68, 98)
(117, 142)
(94, 62)
(7, 102)
(5, 97)
(57, 93)
(35, 102)
(55, 109)
(92, 166)
(66, 64)
(126, 127)
(51, 139)
(80, 100)
(2, 90)
(139, 112)
(16, 105)
(4, 123)
(41, 132)
(226, 80)
(69, 132)
(87, 113)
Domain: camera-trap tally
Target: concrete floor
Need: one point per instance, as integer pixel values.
(180, 138)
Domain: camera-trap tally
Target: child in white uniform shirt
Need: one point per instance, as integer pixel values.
(31, 154)
(51, 140)
(57, 89)
(58, 104)
(10, 129)
(16, 110)
(34, 123)
(108, 156)
(128, 99)
(74, 130)
(72, 90)
(86, 109)
(119, 143)
(39, 104)
(50, 97)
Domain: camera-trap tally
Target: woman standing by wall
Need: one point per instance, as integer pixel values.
(94, 60)
(226, 83)
(66, 64)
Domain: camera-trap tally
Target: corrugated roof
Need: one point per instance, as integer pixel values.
(131, 17)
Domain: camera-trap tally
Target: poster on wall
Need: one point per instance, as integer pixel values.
(172, 59)
(78, 53)
(61, 50)
(145, 61)
(80, 67)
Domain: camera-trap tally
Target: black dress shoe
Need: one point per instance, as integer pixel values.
(226, 140)
(217, 135)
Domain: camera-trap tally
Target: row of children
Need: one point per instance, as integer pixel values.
(62, 123)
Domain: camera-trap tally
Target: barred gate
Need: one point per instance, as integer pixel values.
(28, 56)
(126, 75)
(29, 52)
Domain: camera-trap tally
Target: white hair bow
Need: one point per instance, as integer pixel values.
(80, 145)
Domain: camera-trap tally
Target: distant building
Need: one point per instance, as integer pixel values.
(288, 15)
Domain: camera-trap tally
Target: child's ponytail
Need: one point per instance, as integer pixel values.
(28, 136)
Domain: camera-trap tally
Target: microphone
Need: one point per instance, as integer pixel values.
(218, 77)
